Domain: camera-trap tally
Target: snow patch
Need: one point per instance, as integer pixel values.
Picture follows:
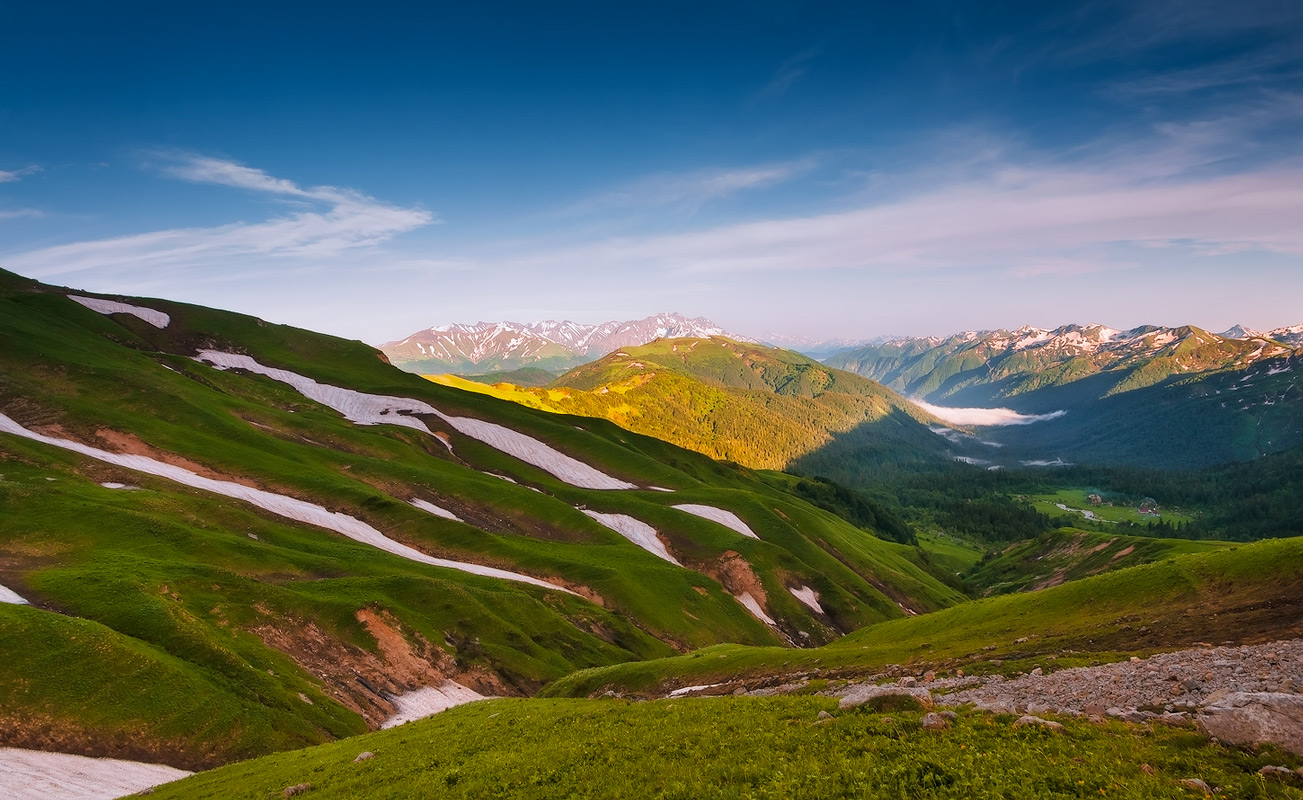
(288, 507)
(691, 689)
(726, 518)
(659, 489)
(749, 601)
(8, 595)
(429, 700)
(985, 417)
(374, 409)
(154, 317)
(425, 505)
(636, 531)
(36, 775)
(808, 596)
(532, 451)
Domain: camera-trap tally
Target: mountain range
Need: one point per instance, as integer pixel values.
(1150, 396)
(547, 345)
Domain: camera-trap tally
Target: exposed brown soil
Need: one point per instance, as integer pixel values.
(357, 679)
(736, 575)
(129, 444)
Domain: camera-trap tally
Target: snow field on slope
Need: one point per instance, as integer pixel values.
(156, 318)
(808, 596)
(753, 605)
(374, 409)
(431, 508)
(636, 531)
(429, 700)
(288, 507)
(726, 518)
(532, 451)
(8, 595)
(36, 775)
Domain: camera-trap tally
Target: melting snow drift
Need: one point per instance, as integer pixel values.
(984, 417)
(430, 700)
(753, 605)
(8, 595)
(808, 596)
(726, 518)
(375, 409)
(289, 507)
(156, 318)
(35, 775)
(425, 505)
(636, 531)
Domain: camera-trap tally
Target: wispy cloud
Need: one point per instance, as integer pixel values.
(1014, 220)
(9, 176)
(789, 72)
(328, 220)
(693, 189)
(20, 213)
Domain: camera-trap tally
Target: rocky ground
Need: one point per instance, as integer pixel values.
(1179, 682)
(1245, 695)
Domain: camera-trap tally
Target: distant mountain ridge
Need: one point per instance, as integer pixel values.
(1149, 396)
(551, 345)
(1009, 363)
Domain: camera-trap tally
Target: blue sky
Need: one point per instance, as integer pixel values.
(840, 169)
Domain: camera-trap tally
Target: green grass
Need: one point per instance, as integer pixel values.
(741, 748)
(1069, 554)
(1076, 502)
(1241, 593)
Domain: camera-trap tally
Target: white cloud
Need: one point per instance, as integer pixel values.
(984, 417)
(329, 221)
(694, 188)
(9, 176)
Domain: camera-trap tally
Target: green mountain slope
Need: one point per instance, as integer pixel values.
(1160, 397)
(279, 631)
(749, 403)
(1247, 593)
(1066, 555)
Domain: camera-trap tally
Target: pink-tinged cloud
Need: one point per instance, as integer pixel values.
(1020, 220)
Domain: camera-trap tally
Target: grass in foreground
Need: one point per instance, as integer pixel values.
(742, 748)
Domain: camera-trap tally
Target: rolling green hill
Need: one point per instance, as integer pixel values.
(748, 403)
(1245, 593)
(239, 537)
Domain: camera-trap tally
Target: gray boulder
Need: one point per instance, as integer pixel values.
(1252, 718)
(859, 695)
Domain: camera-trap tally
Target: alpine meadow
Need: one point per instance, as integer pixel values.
(738, 400)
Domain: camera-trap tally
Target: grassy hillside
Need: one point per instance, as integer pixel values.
(752, 404)
(162, 580)
(743, 747)
(1245, 593)
(1067, 554)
